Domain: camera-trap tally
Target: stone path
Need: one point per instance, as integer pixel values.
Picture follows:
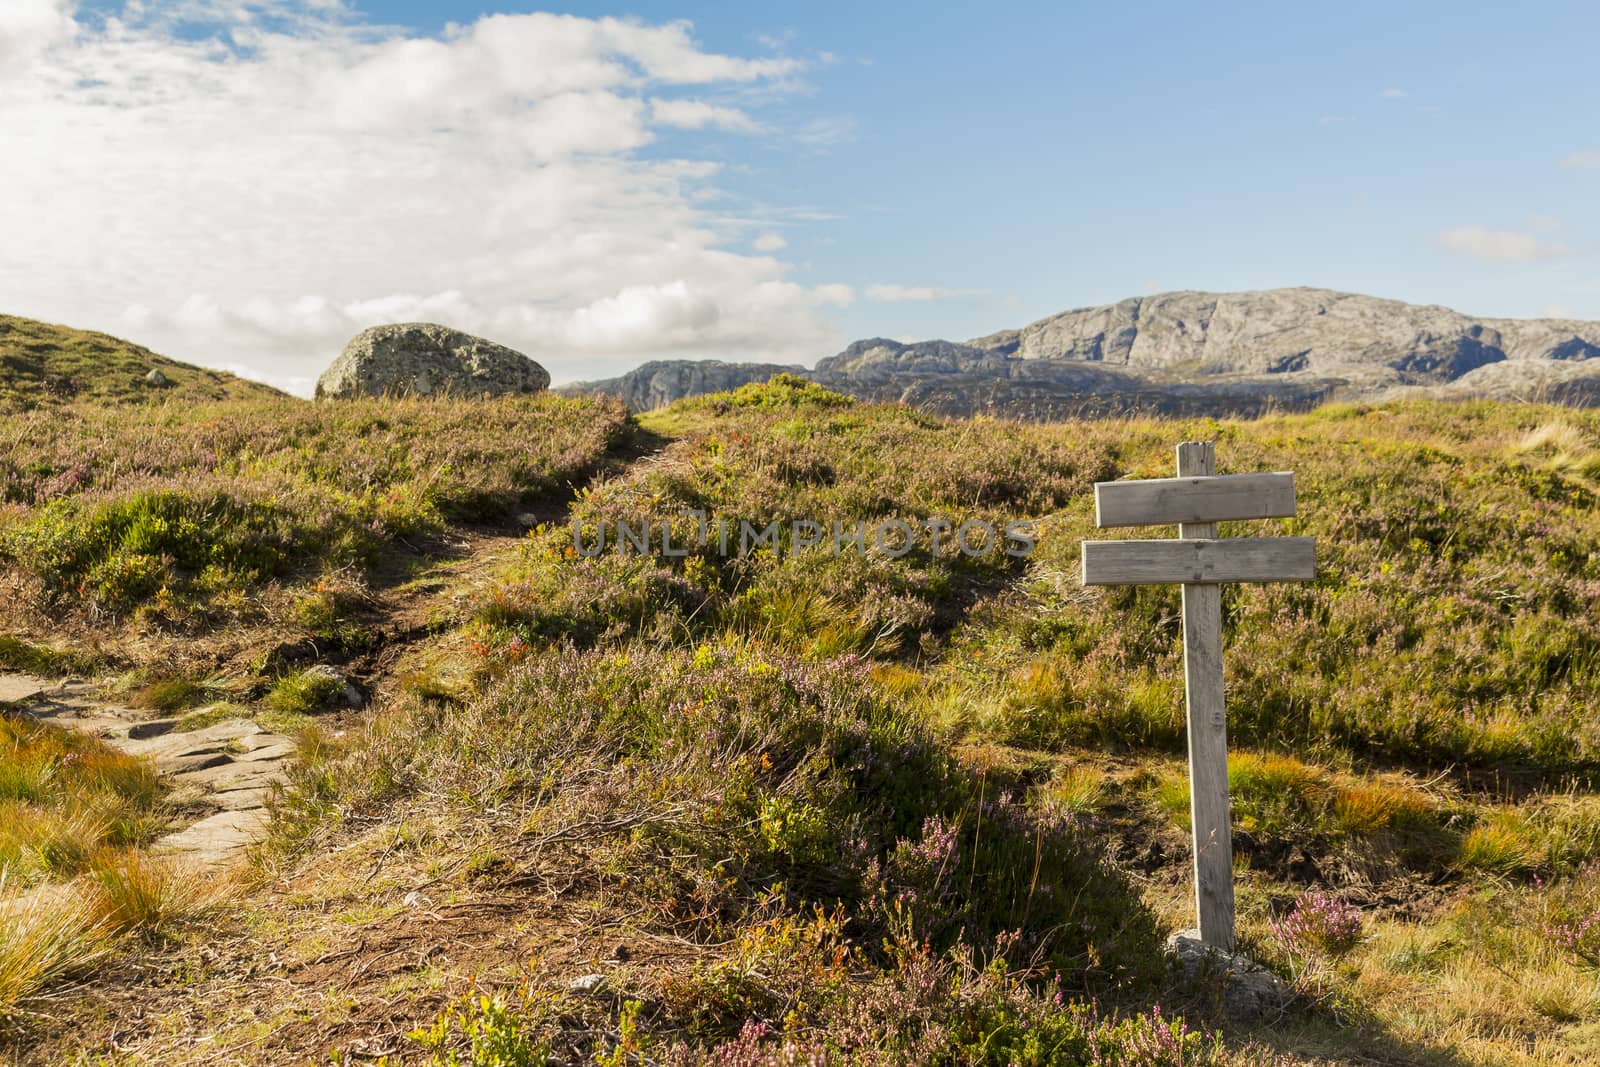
(224, 771)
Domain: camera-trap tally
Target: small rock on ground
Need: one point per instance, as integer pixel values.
(1249, 990)
(588, 984)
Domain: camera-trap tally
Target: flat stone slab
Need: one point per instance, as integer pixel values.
(15, 688)
(265, 747)
(225, 776)
(106, 721)
(216, 837)
(218, 737)
(191, 762)
(241, 799)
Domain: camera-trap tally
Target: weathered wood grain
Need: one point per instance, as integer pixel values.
(1232, 559)
(1197, 500)
(1207, 726)
(1163, 501)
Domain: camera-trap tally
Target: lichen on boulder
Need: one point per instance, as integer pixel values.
(425, 359)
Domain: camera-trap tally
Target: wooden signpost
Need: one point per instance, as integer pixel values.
(1197, 500)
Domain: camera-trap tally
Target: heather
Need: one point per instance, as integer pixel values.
(174, 512)
(779, 456)
(927, 1010)
(48, 366)
(1453, 621)
(733, 780)
(1378, 715)
(902, 803)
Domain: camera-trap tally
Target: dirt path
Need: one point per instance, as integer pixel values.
(224, 772)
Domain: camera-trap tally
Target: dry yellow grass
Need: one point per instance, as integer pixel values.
(133, 892)
(46, 937)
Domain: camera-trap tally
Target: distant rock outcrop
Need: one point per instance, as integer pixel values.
(1194, 353)
(422, 359)
(1282, 331)
(658, 383)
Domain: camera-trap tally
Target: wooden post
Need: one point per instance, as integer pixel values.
(1208, 727)
(1197, 499)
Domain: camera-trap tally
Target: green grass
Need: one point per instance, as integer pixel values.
(303, 692)
(44, 941)
(17, 654)
(63, 796)
(880, 802)
(46, 365)
(183, 515)
(72, 811)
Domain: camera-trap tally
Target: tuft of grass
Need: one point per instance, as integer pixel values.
(1080, 790)
(1367, 807)
(134, 892)
(1505, 843)
(63, 796)
(172, 694)
(45, 939)
(17, 654)
(303, 692)
(1382, 824)
(39, 843)
(1561, 446)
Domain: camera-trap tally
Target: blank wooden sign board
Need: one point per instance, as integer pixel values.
(1197, 499)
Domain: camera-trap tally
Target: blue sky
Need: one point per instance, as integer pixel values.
(1075, 154)
(979, 166)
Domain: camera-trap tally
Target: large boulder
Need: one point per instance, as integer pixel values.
(423, 359)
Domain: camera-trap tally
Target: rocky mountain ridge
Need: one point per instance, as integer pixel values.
(1188, 353)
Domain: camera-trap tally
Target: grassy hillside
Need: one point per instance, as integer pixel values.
(42, 364)
(178, 516)
(903, 804)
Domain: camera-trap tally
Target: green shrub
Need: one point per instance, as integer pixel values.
(779, 391)
(304, 691)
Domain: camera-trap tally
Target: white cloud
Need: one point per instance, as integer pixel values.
(1394, 94)
(1583, 160)
(1499, 246)
(255, 194)
(27, 28)
(769, 242)
(835, 295)
(697, 114)
(1556, 311)
(901, 293)
(827, 131)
